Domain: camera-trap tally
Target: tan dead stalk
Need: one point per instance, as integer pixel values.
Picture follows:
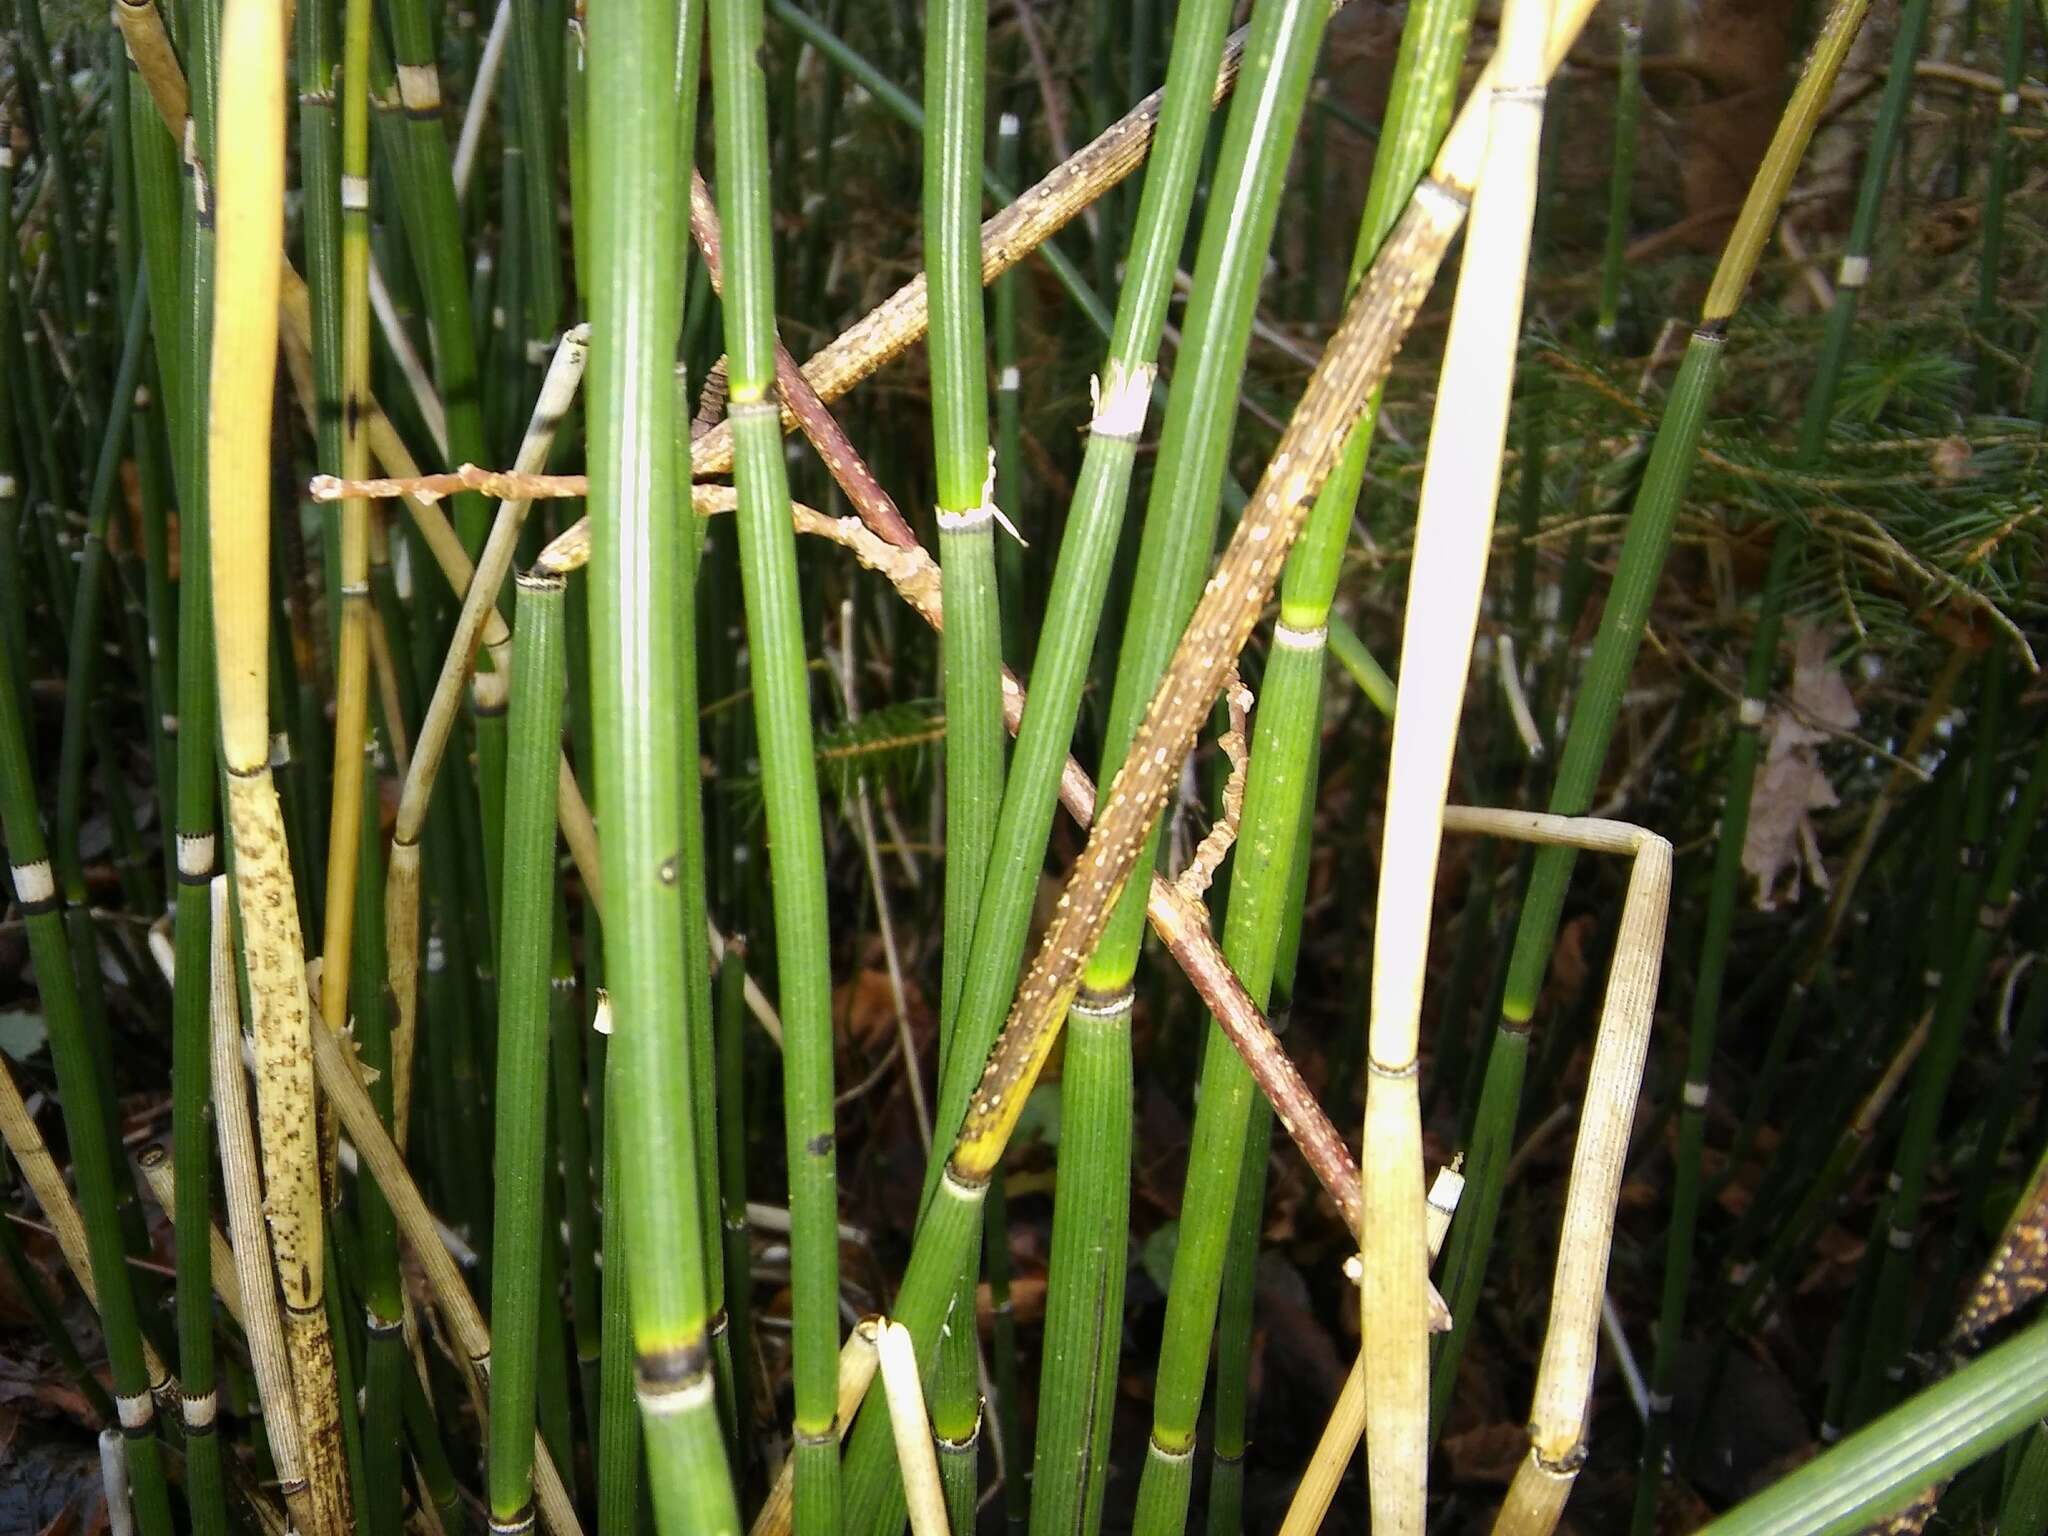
(242, 1185)
(1571, 1342)
(1346, 1424)
(1454, 532)
(249, 233)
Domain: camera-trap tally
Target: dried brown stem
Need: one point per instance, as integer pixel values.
(874, 505)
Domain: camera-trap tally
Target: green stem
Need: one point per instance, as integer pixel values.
(639, 179)
(782, 722)
(524, 990)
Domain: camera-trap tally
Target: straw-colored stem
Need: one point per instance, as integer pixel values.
(925, 1498)
(242, 1186)
(249, 232)
(159, 1174)
(858, 1359)
(1454, 533)
(1346, 1424)
(478, 623)
(1564, 1379)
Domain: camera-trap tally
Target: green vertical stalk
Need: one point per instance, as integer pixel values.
(1598, 704)
(782, 721)
(1009, 444)
(1066, 641)
(1889, 1334)
(524, 988)
(639, 180)
(320, 185)
(433, 229)
(183, 323)
(1815, 422)
(1621, 178)
(617, 1454)
(80, 692)
(13, 503)
(1173, 555)
(85, 1112)
(572, 1138)
(1984, 314)
(732, 1186)
(970, 646)
(532, 102)
(386, 1362)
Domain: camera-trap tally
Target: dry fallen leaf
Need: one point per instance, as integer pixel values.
(1791, 785)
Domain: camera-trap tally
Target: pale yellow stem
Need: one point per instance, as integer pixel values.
(162, 1179)
(858, 1358)
(242, 1186)
(1345, 1427)
(1454, 531)
(1571, 1342)
(922, 1492)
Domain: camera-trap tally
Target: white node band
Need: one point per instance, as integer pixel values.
(134, 1412)
(963, 522)
(199, 1411)
(1750, 713)
(355, 194)
(34, 884)
(195, 855)
(1116, 1007)
(1120, 401)
(1854, 272)
(419, 87)
(1696, 1095)
(1010, 379)
(1289, 638)
(692, 1394)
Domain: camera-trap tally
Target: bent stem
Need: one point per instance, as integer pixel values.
(1598, 705)
(1564, 1375)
